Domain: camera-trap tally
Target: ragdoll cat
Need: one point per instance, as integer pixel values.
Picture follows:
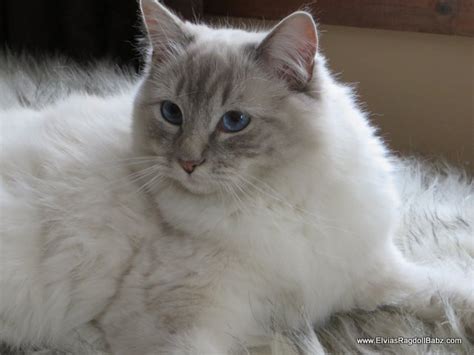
(249, 197)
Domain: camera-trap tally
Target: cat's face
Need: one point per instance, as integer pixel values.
(212, 111)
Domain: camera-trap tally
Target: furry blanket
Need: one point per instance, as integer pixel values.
(436, 228)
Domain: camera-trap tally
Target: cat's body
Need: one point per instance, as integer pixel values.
(313, 255)
(72, 180)
(70, 219)
(287, 220)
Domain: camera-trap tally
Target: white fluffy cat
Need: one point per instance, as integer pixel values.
(236, 192)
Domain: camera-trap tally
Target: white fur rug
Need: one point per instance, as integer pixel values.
(437, 226)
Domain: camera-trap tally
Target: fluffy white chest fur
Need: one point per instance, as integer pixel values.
(203, 211)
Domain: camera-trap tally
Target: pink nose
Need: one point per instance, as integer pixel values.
(190, 165)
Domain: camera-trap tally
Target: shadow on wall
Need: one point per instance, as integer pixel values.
(81, 29)
(84, 30)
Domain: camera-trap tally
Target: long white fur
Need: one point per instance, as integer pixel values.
(72, 220)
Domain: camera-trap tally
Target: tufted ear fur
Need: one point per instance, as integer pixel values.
(165, 29)
(289, 49)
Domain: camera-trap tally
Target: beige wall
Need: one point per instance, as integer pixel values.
(419, 88)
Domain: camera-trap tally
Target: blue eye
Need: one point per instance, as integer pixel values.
(171, 112)
(233, 121)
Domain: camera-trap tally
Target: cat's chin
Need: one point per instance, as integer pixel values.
(194, 186)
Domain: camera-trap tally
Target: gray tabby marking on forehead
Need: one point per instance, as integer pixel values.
(203, 76)
(202, 79)
(227, 90)
(222, 80)
(180, 85)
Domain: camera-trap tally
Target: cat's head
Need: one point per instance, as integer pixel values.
(222, 107)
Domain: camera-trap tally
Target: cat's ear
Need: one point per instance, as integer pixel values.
(289, 49)
(165, 29)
